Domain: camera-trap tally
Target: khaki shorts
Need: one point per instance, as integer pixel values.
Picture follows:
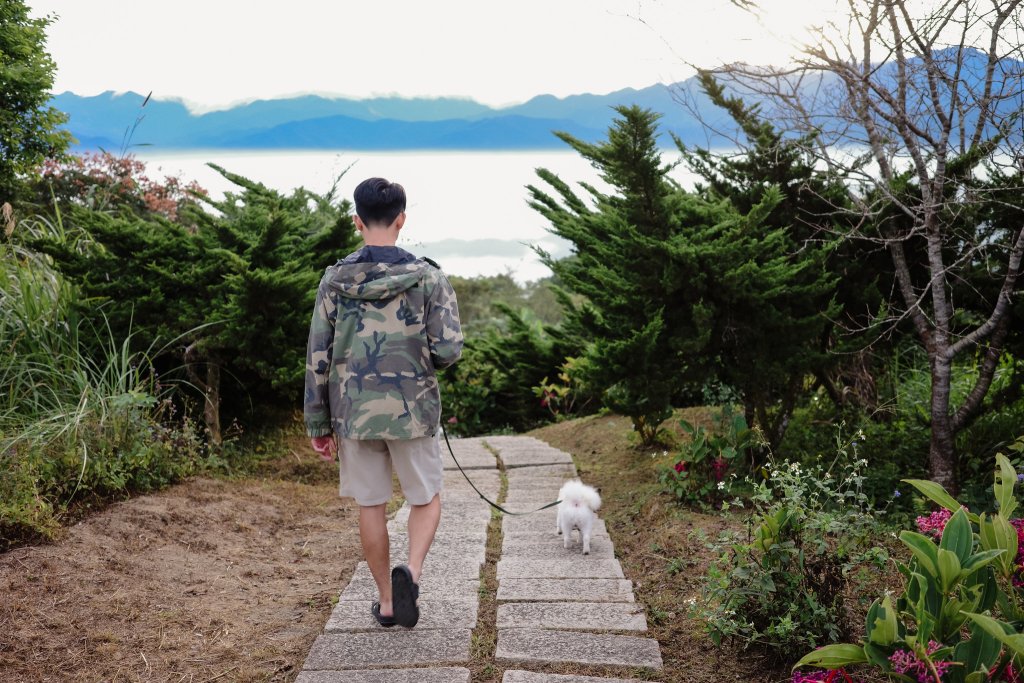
(366, 469)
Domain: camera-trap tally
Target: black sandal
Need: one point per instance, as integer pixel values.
(386, 622)
(404, 593)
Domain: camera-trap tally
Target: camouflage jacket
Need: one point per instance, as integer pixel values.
(379, 333)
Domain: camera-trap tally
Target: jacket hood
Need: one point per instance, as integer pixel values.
(375, 281)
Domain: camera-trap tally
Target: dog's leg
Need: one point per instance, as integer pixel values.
(585, 529)
(558, 522)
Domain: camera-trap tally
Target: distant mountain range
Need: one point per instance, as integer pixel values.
(316, 122)
(384, 123)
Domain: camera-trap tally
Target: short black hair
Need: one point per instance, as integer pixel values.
(379, 201)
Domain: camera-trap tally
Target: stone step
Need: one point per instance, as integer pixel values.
(535, 457)
(586, 616)
(540, 547)
(390, 647)
(521, 535)
(543, 646)
(544, 521)
(517, 676)
(471, 459)
(554, 471)
(478, 529)
(438, 675)
(566, 590)
(354, 615)
(432, 587)
(583, 568)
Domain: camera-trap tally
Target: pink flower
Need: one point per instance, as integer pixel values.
(907, 663)
(834, 676)
(933, 524)
(680, 466)
(453, 420)
(718, 468)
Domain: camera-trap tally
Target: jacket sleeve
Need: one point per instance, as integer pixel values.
(444, 331)
(316, 408)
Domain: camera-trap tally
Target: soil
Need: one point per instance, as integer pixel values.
(227, 580)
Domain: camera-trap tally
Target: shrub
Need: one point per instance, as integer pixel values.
(698, 472)
(75, 422)
(963, 568)
(784, 587)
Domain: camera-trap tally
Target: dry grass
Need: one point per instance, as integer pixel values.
(207, 580)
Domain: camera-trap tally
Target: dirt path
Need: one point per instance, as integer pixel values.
(208, 580)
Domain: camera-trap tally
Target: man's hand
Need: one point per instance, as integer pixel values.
(325, 446)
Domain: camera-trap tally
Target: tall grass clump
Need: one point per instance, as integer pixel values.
(82, 417)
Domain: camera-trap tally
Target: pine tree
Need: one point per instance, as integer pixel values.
(680, 289)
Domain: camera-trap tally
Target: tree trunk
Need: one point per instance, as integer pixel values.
(211, 407)
(210, 388)
(942, 450)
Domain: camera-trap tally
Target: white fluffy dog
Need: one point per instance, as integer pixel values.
(576, 511)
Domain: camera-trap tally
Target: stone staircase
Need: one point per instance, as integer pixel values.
(555, 605)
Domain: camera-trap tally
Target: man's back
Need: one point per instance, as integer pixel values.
(380, 330)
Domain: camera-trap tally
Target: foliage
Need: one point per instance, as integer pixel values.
(783, 588)
(768, 345)
(101, 180)
(481, 298)
(235, 291)
(76, 423)
(493, 386)
(895, 434)
(569, 394)
(29, 127)
(697, 474)
(670, 280)
(963, 567)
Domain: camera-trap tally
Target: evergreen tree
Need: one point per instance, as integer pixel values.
(680, 289)
(234, 293)
(29, 127)
(812, 221)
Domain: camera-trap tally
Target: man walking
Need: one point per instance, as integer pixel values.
(384, 323)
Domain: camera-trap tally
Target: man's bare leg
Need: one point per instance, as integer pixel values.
(373, 532)
(423, 521)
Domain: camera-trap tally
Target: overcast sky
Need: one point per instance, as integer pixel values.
(215, 52)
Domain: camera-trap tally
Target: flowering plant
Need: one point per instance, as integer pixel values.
(963, 566)
(701, 464)
(784, 588)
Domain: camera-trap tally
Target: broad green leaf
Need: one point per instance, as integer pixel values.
(834, 656)
(979, 560)
(997, 533)
(979, 652)
(949, 569)
(882, 628)
(938, 495)
(999, 630)
(1006, 479)
(923, 549)
(958, 537)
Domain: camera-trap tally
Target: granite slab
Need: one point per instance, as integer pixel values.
(567, 590)
(584, 616)
(543, 646)
(395, 647)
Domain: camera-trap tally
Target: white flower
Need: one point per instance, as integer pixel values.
(691, 602)
(721, 486)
